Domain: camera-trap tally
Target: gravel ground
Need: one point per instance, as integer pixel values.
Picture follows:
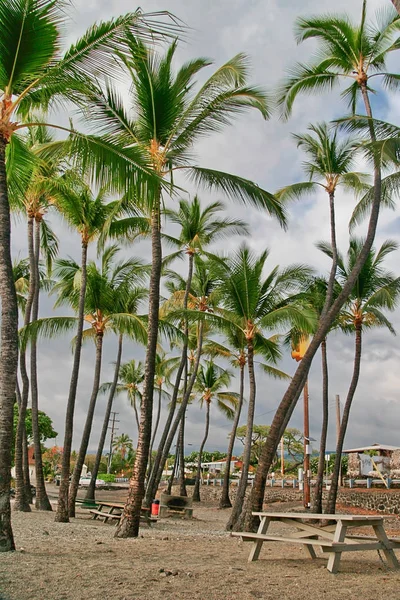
(176, 560)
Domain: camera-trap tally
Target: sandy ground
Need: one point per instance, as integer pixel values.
(83, 561)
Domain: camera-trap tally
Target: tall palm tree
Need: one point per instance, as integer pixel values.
(33, 73)
(199, 227)
(346, 52)
(236, 353)
(375, 290)
(129, 305)
(202, 301)
(92, 217)
(104, 307)
(253, 303)
(210, 380)
(328, 168)
(166, 139)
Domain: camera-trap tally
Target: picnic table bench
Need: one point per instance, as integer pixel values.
(114, 510)
(332, 539)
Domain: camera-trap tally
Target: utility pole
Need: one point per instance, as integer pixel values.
(338, 433)
(113, 430)
(307, 494)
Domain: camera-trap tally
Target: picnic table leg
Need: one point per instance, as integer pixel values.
(388, 552)
(334, 557)
(310, 549)
(255, 550)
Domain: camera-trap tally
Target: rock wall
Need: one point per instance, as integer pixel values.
(382, 501)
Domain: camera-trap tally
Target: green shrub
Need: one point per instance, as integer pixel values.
(108, 477)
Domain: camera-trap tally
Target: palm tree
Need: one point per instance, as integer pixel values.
(199, 227)
(123, 444)
(131, 377)
(236, 353)
(106, 295)
(329, 167)
(345, 52)
(129, 304)
(33, 73)
(202, 301)
(210, 380)
(164, 139)
(376, 289)
(252, 303)
(92, 217)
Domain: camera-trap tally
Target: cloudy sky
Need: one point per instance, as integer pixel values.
(264, 152)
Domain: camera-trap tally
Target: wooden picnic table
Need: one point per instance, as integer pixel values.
(333, 539)
(114, 510)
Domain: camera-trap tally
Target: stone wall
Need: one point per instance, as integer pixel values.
(382, 501)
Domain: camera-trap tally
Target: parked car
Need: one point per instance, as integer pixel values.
(86, 481)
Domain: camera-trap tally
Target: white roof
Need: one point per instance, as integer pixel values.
(374, 447)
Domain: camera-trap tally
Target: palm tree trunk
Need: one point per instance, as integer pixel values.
(241, 493)
(90, 494)
(181, 446)
(174, 469)
(8, 357)
(21, 495)
(182, 408)
(80, 459)
(332, 274)
(136, 411)
(62, 507)
(225, 501)
(158, 465)
(25, 466)
(317, 500)
(42, 501)
(331, 504)
(292, 394)
(155, 424)
(396, 4)
(129, 524)
(196, 491)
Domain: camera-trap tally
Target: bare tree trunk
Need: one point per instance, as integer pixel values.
(8, 357)
(196, 491)
(241, 493)
(155, 477)
(225, 501)
(62, 515)
(181, 446)
(174, 469)
(80, 459)
(130, 522)
(90, 494)
(291, 396)
(331, 504)
(155, 424)
(317, 500)
(182, 408)
(21, 496)
(42, 501)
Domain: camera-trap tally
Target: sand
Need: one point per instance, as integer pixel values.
(175, 559)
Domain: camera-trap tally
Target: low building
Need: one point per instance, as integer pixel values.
(374, 461)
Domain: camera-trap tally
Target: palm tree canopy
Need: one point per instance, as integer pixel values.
(33, 70)
(254, 302)
(329, 164)
(210, 380)
(346, 51)
(375, 289)
(200, 227)
(169, 116)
